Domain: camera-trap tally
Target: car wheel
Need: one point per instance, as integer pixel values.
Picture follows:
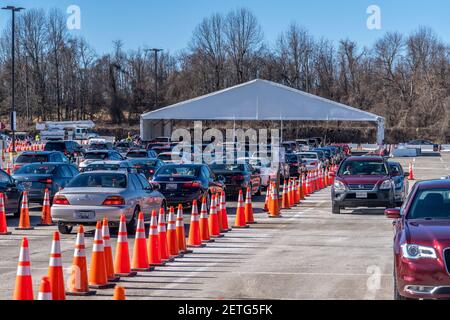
(131, 226)
(336, 209)
(17, 213)
(64, 229)
(258, 192)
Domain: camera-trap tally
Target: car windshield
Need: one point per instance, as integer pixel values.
(31, 158)
(137, 154)
(431, 204)
(95, 156)
(178, 171)
(37, 169)
(308, 156)
(55, 146)
(167, 157)
(228, 167)
(99, 180)
(363, 168)
(103, 166)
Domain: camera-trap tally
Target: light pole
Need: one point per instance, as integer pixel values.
(156, 51)
(13, 75)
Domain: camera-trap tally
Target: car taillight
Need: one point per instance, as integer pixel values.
(151, 171)
(61, 200)
(313, 163)
(114, 201)
(46, 181)
(195, 184)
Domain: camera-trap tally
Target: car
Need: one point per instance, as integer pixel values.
(184, 183)
(421, 244)
(294, 162)
(100, 144)
(311, 160)
(146, 166)
(108, 165)
(36, 177)
(303, 145)
(237, 177)
(39, 157)
(268, 172)
(362, 182)
(71, 149)
(290, 146)
(93, 196)
(102, 155)
(141, 153)
(12, 193)
(123, 147)
(400, 181)
(420, 143)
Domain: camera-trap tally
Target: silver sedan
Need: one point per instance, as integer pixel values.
(92, 196)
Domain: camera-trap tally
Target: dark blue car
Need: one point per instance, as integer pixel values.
(12, 193)
(401, 182)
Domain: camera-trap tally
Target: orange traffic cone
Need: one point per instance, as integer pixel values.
(204, 223)
(290, 194)
(140, 257)
(153, 251)
(219, 212)
(108, 252)
(78, 281)
(172, 241)
(213, 220)
(274, 209)
(45, 289)
(122, 266)
(24, 284)
(240, 213)
(411, 172)
(46, 218)
(181, 236)
(98, 278)
(195, 239)
(119, 293)
(3, 225)
(162, 235)
(285, 197)
(266, 201)
(55, 270)
(223, 208)
(24, 223)
(249, 219)
(298, 192)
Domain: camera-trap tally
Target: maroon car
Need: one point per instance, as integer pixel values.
(422, 242)
(363, 182)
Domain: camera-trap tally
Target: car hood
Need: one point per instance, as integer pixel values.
(424, 231)
(363, 179)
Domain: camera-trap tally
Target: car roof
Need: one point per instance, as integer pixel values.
(108, 162)
(367, 158)
(39, 152)
(98, 151)
(47, 163)
(107, 171)
(433, 184)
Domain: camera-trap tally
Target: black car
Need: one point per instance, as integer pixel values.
(39, 157)
(146, 166)
(294, 161)
(238, 177)
(182, 184)
(37, 177)
(123, 147)
(71, 149)
(141, 153)
(12, 193)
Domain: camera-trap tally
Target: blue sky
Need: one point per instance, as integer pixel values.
(169, 24)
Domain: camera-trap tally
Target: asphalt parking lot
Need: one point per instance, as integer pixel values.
(307, 254)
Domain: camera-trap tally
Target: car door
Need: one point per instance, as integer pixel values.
(211, 177)
(11, 192)
(153, 199)
(135, 192)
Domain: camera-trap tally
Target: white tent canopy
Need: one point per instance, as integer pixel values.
(262, 100)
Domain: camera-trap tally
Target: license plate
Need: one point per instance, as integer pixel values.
(85, 215)
(361, 195)
(171, 186)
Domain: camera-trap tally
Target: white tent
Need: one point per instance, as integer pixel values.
(260, 100)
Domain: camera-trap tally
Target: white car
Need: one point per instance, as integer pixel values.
(311, 158)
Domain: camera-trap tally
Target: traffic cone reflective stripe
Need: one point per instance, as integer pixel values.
(98, 278)
(3, 224)
(78, 281)
(45, 290)
(223, 205)
(181, 236)
(24, 222)
(24, 283)
(240, 213)
(204, 223)
(140, 257)
(249, 218)
(153, 250)
(122, 265)
(162, 234)
(119, 293)
(55, 270)
(46, 218)
(195, 239)
(213, 220)
(172, 241)
(108, 252)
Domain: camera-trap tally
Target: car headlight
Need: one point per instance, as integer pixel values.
(386, 185)
(414, 251)
(339, 186)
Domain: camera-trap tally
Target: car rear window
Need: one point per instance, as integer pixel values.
(101, 167)
(99, 180)
(37, 169)
(32, 158)
(228, 167)
(308, 156)
(363, 168)
(431, 204)
(137, 154)
(178, 171)
(54, 146)
(95, 156)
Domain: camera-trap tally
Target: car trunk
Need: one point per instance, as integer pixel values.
(35, 181)
(89, 196)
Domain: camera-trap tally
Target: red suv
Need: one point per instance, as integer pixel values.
(363, 182)
(422, 242)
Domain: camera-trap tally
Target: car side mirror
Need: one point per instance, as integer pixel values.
(392, 213)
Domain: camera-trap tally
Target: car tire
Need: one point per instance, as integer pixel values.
(17, 213)
(259, 192)
(131, 226)
(64, 229)
(336, 209)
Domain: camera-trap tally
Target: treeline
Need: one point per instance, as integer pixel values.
(404, 78)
